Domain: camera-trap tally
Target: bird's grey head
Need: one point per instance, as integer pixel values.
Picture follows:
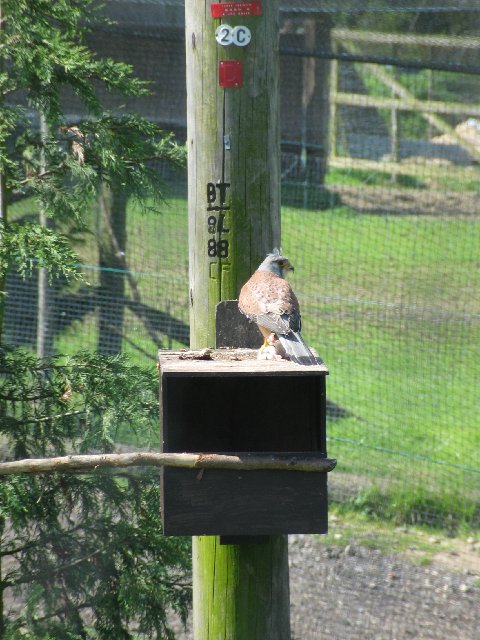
(276, 263)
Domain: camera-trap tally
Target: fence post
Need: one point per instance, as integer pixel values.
(315, 103)
(333, 130)
(240, 590)
(394, 136)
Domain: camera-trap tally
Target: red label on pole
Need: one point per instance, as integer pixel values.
(221, 9)
(230, 74)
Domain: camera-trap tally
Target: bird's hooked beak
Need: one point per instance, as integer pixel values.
(287, 266)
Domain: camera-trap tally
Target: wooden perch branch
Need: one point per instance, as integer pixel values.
(242, 462)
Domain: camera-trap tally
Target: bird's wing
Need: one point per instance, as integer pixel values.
(269, 301)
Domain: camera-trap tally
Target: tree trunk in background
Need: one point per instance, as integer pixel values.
(44, 298)
(111, 233)
(3, 206)
(3, 219)
(3, 222)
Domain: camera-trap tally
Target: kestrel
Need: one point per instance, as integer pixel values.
(268, 300)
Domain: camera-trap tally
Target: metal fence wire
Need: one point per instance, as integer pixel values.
(380, 126)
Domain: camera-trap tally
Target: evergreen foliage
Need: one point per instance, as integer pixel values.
(43, 55)
(83, 554)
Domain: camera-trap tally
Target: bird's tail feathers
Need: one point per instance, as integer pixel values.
(296, 349)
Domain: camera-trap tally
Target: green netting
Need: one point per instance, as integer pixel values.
(380, 187)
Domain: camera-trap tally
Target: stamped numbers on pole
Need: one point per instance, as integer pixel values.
(217, 207)
(239, 36)
(224, 35)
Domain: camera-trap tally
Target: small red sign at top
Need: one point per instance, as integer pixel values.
(221, 9)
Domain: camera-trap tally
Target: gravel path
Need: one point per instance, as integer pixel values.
(355, 593)
(351, 592)
(358, 593)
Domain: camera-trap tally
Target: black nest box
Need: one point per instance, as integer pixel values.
(227, 401)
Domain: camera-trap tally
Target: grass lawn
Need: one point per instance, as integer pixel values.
(391, 304)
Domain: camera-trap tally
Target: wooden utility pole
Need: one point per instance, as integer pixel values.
(240, 590)
(233, 158)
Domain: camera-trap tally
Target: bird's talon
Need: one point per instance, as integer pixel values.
(267, 353)
(271, 339)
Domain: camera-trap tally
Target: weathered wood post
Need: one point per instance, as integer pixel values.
(394, 136)
(240, 591)
(315, 103)
(233, 151)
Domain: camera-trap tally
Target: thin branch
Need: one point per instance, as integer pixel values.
(243, 462)
(67, 414)
(11, 552)
(63, 610)
(53, 570)
(18, 398)
(35, 542)
(41, 175)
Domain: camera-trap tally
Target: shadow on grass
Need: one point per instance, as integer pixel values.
(66, 308)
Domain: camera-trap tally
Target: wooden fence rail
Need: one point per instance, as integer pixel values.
(401, 99)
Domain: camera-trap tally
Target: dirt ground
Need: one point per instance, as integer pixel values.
(351, 592)
(395, 201)
(359, 593)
